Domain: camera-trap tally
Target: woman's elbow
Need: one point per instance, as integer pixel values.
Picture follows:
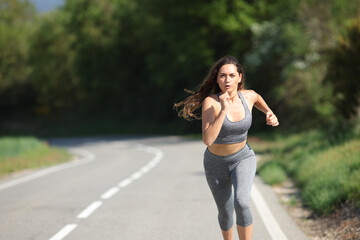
(207, 141)
(207, 138)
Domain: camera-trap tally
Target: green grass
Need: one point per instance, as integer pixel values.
(331, 176)
(326, 169)
(19, 153)
(272, 173)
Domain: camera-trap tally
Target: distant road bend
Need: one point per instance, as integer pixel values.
(128, 188)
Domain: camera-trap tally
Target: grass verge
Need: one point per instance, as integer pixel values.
(272, 173)
(325, 169)
(20, 153)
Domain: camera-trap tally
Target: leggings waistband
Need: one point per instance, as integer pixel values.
(239, 154)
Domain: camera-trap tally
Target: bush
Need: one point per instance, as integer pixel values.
(326, 170)
(272, 173)
(352, 188)
(322, 195)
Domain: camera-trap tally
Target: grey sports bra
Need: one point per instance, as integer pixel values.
(235, 132)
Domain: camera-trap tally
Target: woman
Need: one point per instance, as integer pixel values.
(228, 160)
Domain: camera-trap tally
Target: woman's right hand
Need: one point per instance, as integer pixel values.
(224, 100)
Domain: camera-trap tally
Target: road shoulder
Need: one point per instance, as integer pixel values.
(281, 215)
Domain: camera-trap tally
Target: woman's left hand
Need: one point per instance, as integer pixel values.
(271, 119)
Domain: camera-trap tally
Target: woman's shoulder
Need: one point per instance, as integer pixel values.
(211, 100)
(249, 94)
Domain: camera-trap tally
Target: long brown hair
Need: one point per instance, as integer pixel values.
(207, 87)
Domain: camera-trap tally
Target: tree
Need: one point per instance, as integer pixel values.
(16, 18)
(288, 60)
(94, 27)
(52, 63)
(182, 40)
(344, 73)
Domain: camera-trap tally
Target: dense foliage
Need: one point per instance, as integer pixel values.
(131, 60)
(324, 167)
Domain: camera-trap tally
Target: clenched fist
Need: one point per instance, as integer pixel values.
(271, 119)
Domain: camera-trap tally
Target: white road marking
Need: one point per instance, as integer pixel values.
(158, 156)
(125, 182)
(145, 169)
(90, 209)
(136, 175)
(111, 192)
(88, 157)
(267, 217)
(64, 232)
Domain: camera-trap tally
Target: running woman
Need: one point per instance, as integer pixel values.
(229, 161)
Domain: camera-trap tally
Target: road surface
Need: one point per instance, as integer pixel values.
(128, 188)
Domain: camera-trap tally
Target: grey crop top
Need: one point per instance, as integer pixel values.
(235, 132)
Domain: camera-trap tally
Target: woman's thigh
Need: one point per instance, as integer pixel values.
(242, 178)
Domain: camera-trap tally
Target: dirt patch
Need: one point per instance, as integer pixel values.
(343, 224)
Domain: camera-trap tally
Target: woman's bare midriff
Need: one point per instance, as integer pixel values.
(226, 149)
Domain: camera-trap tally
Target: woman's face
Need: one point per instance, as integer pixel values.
(228, 78)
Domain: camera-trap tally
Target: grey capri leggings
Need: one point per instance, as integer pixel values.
(223, 172)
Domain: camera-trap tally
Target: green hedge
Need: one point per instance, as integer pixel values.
(326, 171)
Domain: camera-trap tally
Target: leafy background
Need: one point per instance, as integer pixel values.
(118, 66)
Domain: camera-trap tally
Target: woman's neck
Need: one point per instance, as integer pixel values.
(233, 95)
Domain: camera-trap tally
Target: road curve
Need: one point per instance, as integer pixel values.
(136, 188)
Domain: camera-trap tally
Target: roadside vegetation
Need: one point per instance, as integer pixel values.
(95, 66)
(326, 168)
(20, 153)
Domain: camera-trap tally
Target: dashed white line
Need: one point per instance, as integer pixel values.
(136, 175)
(145, 169)
(125, 182)
(90, 209)
(268, 218)
(111, 192)
(64, 232)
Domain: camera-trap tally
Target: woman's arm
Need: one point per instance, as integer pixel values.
(211, 124)
(260, 104)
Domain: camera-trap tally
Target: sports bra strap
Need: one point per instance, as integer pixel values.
(244, 102)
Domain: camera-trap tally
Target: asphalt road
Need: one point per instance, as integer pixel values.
(128, 188)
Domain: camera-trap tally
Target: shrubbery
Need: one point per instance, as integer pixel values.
(327, 171)
(272, 173)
